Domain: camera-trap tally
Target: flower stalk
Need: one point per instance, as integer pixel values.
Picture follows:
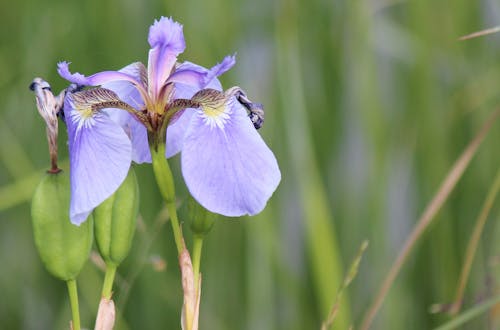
(109, 277)
(165, 182)
(73, 299)
(105, 319)
(201, 225)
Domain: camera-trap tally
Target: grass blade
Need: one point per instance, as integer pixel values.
(351, 274)
(469, 314)
(473, 242)
(431, 210)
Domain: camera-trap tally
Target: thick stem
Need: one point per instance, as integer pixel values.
(165, 182)
(109, 277)
(73, 300)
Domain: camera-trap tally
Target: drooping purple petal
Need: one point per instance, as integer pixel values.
(135, 130)
(167, 41)
(177, 131)
(100, 157)
(190, 78)
(96, 79)
(228, 168)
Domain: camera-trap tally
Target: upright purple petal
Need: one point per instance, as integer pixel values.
(167, 32)
(96, 79)
(136, 131)
(227, 166)
(167, 41)
(126, 90)
(100, 156)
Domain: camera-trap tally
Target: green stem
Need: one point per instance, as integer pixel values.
(176, 228)
(197, 247)
(165, 182)
(73, 300)
(109, 277)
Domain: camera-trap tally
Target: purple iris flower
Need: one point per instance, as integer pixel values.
(226, 165)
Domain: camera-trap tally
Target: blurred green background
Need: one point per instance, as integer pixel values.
(368, 104)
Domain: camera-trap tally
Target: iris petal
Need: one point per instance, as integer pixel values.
(95, 79)
(190, 78)
(135, 130)
(229, 170)
(176, 133)
(198, 77)
(220, 68)
(166, 32)
(167, 41)
(126, 90)
(100, 156)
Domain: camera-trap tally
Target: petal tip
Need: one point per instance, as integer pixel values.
(167, 32)
(227, 63)
(78, 218)
(77, 78)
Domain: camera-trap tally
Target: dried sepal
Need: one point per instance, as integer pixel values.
(105, 315)
(49, 106)
(192, 293)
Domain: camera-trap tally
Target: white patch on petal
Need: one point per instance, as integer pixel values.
(216, 117)
(83, 118)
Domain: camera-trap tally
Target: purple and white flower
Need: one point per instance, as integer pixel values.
(226, 165)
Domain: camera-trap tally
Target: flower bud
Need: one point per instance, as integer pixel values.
(63, 247)
(202, 219)
(115, 221)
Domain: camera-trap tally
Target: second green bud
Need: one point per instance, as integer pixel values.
(202, 220)
(115, 221)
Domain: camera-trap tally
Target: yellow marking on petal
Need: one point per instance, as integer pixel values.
(214, 112)
(84, 111)
(216, 116)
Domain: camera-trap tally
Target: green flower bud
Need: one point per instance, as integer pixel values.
(202, 219)
(115, 221)
(63, 247)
